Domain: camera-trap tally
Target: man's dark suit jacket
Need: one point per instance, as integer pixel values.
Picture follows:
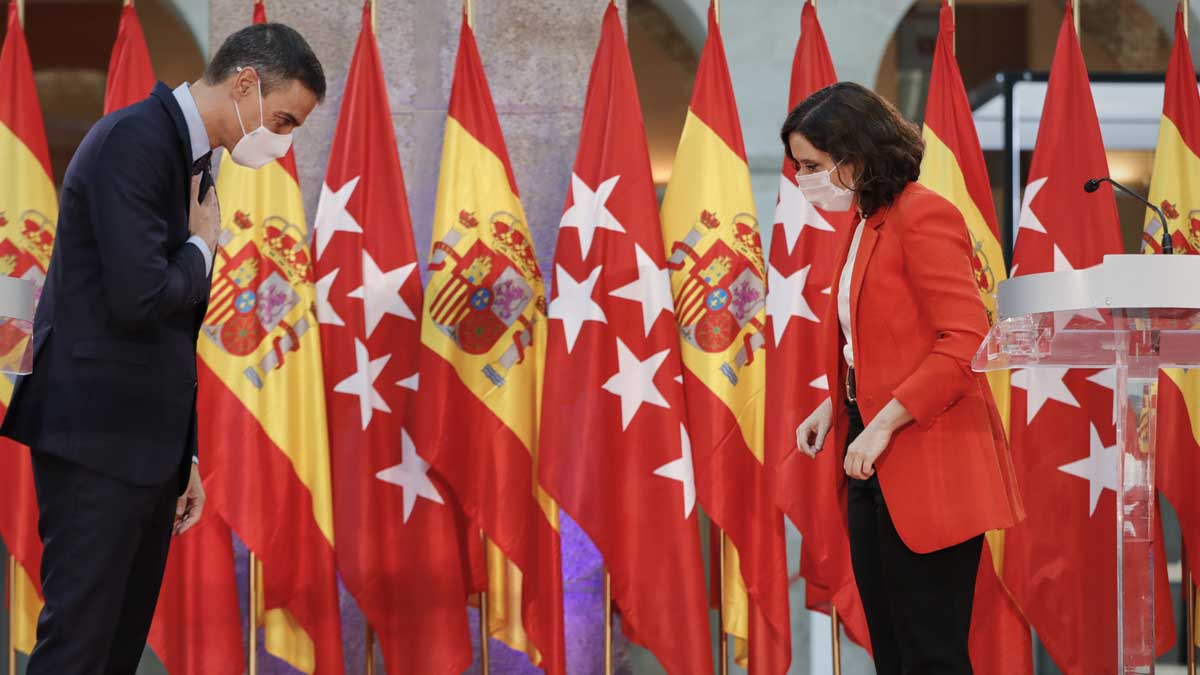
(113, 386)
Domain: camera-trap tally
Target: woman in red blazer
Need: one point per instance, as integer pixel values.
(927, 462)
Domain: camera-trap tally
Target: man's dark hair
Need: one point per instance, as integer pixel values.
(854, 124)
(276, 52)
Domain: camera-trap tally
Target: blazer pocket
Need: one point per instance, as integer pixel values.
(112, 350)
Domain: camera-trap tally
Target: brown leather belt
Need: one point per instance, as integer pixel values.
(851, 387)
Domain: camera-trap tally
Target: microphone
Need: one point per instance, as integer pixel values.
(1168, 246)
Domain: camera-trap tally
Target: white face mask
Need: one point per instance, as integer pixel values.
(261, 146)
(819, 189)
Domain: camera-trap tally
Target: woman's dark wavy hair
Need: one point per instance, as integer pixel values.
(855, 125)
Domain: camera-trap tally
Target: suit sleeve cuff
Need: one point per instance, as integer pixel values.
(204, 250)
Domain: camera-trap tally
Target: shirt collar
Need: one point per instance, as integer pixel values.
(195, 125)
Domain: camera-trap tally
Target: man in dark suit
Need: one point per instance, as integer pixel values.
(110, 408)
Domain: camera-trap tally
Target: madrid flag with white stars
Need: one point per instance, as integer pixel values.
(719, 282)
(483, 351)
(613, 360)
(398, 549)
(800, 271)
(1060, 563)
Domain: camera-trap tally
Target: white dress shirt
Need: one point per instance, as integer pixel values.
(200, 147)
(843, 296)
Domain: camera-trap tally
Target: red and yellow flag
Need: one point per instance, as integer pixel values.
(264, 445)
(398, 546)
(197, 623)
(130, 73)
(626, 475)
(1173, 186)
(715, 255)
(28, 214)
(800, 271)
(953, 167)
(483, 335)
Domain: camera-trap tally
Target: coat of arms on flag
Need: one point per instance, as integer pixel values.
(253, 296)
(489, 289)
(723, 288)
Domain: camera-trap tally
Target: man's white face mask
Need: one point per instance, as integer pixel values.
(820, 190)
(261, 146)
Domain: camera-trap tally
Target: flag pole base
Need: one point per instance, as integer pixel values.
(370, 650)
(252, 606)
(835, 640)
(608, 626)
(724, 667)
(484, 656)
(12, 619)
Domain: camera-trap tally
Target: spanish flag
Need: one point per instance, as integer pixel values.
(483, 339)
(1174, 188)
(264, 445)
(953, 167)
(716, 260)
(28, 214)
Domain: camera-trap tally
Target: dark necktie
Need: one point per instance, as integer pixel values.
(203, 167)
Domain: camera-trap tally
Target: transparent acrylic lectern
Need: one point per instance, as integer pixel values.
(16, 324)
(1134, 313)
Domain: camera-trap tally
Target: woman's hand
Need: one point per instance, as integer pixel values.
(870, 444)
(862, 453)
(811, 433)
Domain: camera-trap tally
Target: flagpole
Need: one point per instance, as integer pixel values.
(370, 648)
(954, 35)
(608, 631)
(12, 617)
(484, 659)
(253, 611)
(835, 641)
(717, 9)
(724, 669)
(1189, 612)
(374, 24)
(21, 12)
(470, 7)
(1075, 13)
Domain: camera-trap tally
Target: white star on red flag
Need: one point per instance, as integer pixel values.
(1042, 385)
(380, 292)
(634, 382)
(1099, 469)
(681, 470)
(362, 383)
(785, 299)
(1029, 219)
(652, 290)
(573, 303)
(411, 475)
(588, 212)
(332, 216)
(795, 213)
(325, 312)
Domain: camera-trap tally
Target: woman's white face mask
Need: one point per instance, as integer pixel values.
(820, 190)
(261, 146)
